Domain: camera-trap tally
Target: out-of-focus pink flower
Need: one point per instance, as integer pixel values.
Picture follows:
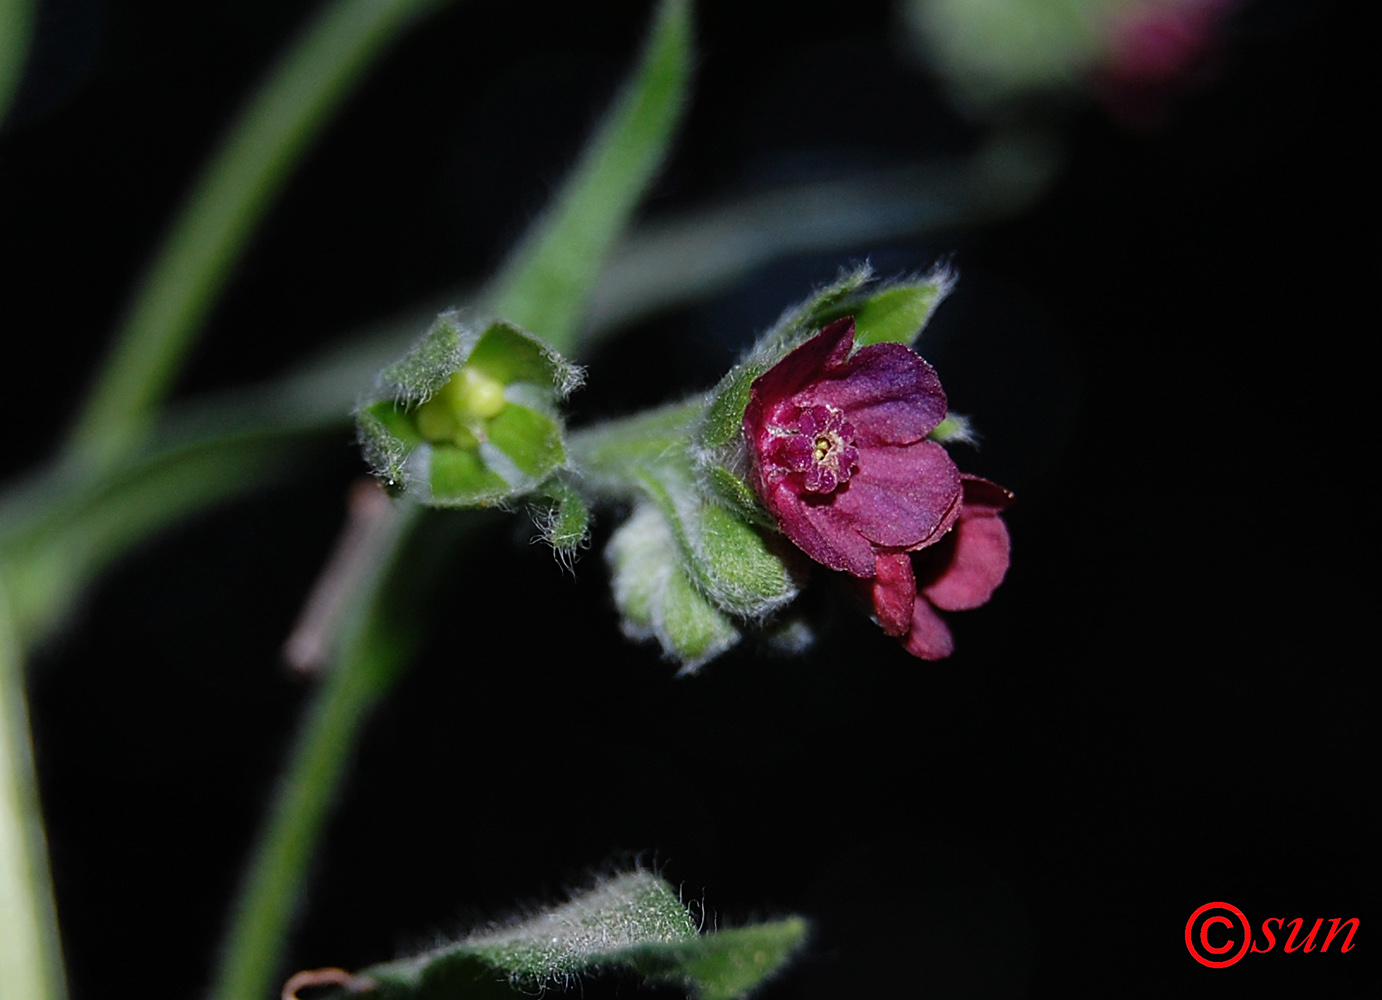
(1157, 49)
(842, 461)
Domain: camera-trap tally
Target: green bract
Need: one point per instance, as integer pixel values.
(468, 417)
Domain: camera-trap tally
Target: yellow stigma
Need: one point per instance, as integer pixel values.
(822, 448)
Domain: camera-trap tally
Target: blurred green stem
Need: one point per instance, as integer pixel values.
(16, 24)
(30, 950)
(285, 115)
(382, 636)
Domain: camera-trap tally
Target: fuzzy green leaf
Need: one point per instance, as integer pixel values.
(632, 922)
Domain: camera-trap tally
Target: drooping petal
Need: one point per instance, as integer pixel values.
(891, 395)
(929, 638)
(901, 497)
(979, 549)
(893, 592)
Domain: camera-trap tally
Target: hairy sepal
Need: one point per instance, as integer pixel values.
(468, 417)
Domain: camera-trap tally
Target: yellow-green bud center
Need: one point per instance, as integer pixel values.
(476, 396)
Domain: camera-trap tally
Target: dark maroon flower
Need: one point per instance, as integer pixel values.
(840, 455)
(842, 461)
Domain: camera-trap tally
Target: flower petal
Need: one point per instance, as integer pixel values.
(812, 527)
(979, 550)
(901, 497)
(891, 395)
(893, 592)
(929, 637)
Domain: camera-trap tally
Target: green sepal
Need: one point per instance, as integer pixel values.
(531, 441)
(898, 312)
(742, 572)
(724, 417)
(563, 517)
(803, 321)
(386, 438)
(955, 429)
(501, 350)
(509, 354)
(730, 561)
(738, 495)
(459, 477)
(427, 366)
(632, 923)
(724, 965)
(892, 312)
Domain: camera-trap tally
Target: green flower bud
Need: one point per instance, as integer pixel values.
(657, 599)
(467, 418)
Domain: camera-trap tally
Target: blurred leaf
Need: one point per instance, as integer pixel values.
(280, 122)
(547, 282)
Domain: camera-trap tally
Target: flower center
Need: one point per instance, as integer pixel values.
(820, 446)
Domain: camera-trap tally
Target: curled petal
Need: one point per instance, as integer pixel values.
(983, 497)
(978, 550)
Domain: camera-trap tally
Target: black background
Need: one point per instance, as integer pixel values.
(1167, 703)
